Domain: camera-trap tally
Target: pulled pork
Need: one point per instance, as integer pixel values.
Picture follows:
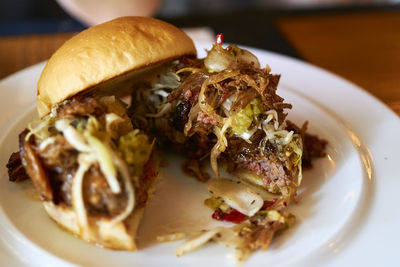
(232, 115)
(191, 128)
(52, 167)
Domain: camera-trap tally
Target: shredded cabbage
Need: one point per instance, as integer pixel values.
(105, 160)
(245, 237)
(167, 80)
(112, 119)
(73, 136)
(39, 128)
(197, 241)
(245, 122)
(85, 161)
(219, 58)
(46, 142)
(94, 142)
(136, 149)
(237, 195)
(123, 169)
(171, 237)
(220, 146)
(193, 113)
(159, 90)
(96, 150)
(164, 110)
(239, 124)
(188, 69)
(242, 120)
(216, 203)
(203, 103)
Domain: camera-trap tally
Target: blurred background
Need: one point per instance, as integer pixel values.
(356, 39)
(44, 16)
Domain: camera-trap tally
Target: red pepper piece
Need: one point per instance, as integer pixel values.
(268, 204)
(220, 38)
(233, 216)
(217, 215)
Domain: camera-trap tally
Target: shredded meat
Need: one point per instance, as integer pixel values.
(189, 89)
(16, 171)
(98, 196)
(243, 99)
(196, 146)
(260, 234)
(248, 84)
(265, 84)
(190, 62)
(205, 119)
(53, 166)
(270, 169)
(80, 106)
(314, 146)
(60, 154)
(180, 115)
(34, 167)
(241, 155)
(60, 161)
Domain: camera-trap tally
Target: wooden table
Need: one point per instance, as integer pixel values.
(362, 47)
(18, 52)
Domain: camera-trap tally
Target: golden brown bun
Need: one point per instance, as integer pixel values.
(103, 53)
(119, 236)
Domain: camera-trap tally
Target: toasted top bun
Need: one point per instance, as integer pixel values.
(106, 54)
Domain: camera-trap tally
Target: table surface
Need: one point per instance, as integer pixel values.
(363, 47)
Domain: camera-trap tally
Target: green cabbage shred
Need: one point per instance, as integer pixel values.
(242, 120)
(136, 149)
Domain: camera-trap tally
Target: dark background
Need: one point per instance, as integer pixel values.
(250, 23)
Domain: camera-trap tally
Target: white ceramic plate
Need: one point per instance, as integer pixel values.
(347, 213)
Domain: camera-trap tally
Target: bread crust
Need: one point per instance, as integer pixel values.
(118, 236)
(106, 52)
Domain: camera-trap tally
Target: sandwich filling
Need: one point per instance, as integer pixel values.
(85, 155)
(89, 155)
(224, 107)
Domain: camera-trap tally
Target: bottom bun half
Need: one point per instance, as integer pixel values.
(103, 232)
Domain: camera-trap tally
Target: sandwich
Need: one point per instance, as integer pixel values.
(113, 93)
(93, 169)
